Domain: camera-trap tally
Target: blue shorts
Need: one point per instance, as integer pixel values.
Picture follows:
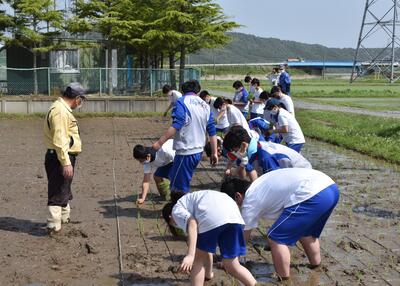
(182, 172)
(229, 238)
(255, 115)
(307, 218)
(296, 147)
(164, 171)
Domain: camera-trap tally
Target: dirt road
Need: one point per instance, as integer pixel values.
(360, 243)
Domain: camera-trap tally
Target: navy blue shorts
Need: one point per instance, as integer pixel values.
(164, 171)
(307, 218)
(182, 172)
(229, 238)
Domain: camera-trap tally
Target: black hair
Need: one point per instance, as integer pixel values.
(167, 210)
(265, 95)
(275, 89)
(231, 186)
(247, 79)
(203, 94)
(235, 137)
(191, 86)
(166, 213)
(141, 152)
(166, 88)
(219, 101)
(237, 84)
(207, 147)
(255, 81)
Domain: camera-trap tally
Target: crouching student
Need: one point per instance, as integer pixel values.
(262, 127)
(299, 200)
(160, 163)
(285, 125)
(210, 219)
(260, 157)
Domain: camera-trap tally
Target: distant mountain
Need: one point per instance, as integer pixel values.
(246, 48)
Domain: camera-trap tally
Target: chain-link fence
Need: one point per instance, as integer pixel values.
(123, 81)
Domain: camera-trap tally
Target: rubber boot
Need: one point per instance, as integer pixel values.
(54, 219)
(163, 189)
(65, 213)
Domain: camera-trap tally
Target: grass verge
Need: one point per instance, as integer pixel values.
(371, 135)
(332, 87)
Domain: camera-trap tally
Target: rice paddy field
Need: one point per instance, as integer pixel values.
(113, 241)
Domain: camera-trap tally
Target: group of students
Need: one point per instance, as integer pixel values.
(282, 185)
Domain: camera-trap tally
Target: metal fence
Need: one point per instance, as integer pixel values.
(124, 81)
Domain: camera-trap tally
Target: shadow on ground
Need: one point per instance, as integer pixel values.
(23, 225)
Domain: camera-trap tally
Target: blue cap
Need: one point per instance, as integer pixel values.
(74, 89)
(271, 103)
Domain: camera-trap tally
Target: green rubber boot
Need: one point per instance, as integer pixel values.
(164, 189)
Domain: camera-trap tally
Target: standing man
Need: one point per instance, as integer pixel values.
(191, 119)
(284, 80)
(61, 135)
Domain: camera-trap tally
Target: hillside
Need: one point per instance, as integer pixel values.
(246, 48)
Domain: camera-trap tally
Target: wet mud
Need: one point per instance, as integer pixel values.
(360, 243)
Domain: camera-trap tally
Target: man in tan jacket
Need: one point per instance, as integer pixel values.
(63, 144)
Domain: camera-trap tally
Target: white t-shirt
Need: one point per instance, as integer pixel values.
(288, 102)
(211, 209)
(164, 156)
(272, 192)
(223, 122)
(175, 95)
(294, 135)
(235, 117)
(257, 107)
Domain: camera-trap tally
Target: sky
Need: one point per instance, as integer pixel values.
(332, 23)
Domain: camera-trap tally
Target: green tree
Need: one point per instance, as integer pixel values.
(35, 27)
(118, 21)
(186, 26)
(197, 24)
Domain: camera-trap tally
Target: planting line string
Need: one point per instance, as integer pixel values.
(162, 234)
(116, 211)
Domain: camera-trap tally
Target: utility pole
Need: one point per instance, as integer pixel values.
(376, 24)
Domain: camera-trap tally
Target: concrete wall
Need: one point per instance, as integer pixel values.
(98, 104)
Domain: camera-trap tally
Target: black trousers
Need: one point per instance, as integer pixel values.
(59, 189)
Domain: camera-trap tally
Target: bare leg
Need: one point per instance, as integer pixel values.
(234, 268)
(281, 258)
(312, 249)
(241, 172)
(197, 274)
(209, 267)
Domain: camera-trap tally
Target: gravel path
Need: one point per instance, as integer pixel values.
(315, 106)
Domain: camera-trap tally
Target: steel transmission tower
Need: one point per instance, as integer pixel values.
(379, 28)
